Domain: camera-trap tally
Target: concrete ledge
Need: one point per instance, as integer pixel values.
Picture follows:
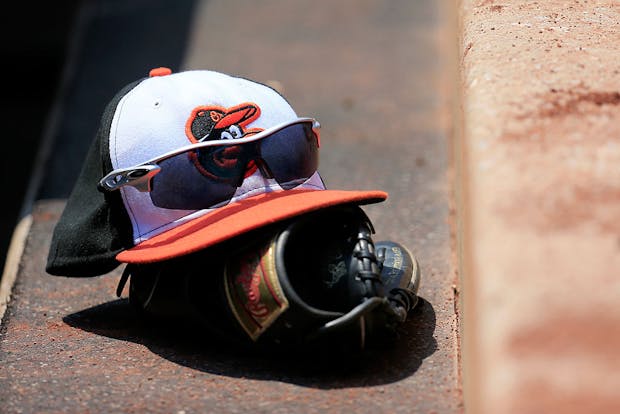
(540, 205)
(13, 258)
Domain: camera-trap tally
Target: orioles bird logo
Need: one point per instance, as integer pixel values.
(227, 163)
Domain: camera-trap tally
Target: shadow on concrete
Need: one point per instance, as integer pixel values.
(382, 363)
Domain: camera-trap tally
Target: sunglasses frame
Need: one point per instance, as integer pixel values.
(139, 176)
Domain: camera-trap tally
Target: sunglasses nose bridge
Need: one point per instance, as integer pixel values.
(253, 154)
(263, 167)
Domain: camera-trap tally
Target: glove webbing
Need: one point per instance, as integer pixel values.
(368, 265)
(369, 272)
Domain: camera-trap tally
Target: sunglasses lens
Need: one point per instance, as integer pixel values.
(209, 176)
(292, 154)
(196, 180)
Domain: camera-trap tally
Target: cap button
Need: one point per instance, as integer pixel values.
(160, 72)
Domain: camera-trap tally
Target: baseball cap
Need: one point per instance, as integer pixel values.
(183, 161)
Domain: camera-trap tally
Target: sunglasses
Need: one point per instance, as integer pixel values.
(207, 174)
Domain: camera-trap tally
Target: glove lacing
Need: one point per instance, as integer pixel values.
(369, 273)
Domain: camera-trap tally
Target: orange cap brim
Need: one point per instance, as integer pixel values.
(239, 217)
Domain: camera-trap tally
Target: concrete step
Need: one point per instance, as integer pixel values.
(540, 201)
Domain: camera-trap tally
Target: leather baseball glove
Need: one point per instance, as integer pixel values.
(316, 280)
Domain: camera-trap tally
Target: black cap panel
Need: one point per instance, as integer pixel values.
(94, 226)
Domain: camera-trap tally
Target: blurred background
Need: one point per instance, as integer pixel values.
(36, 42)
(63, 63)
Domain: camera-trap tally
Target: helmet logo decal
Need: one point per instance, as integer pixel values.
(216, 122)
